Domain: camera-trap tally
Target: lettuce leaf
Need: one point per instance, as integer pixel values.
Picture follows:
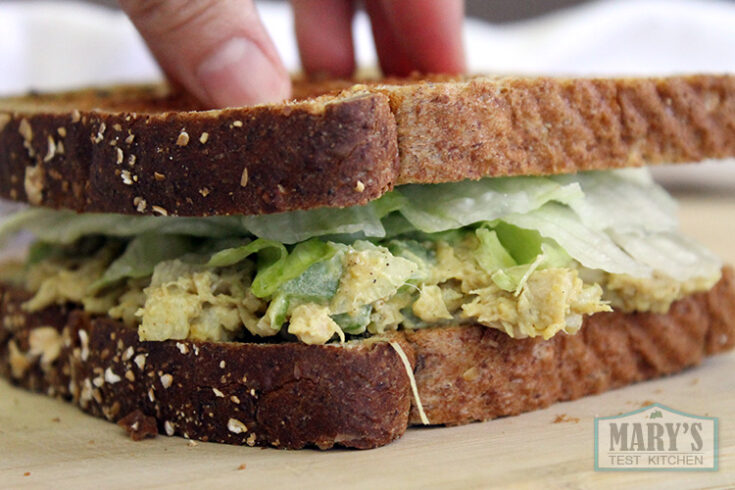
(491, 255)
(274, 271)
(600, 219)
(441, 207)
(318, 283)
(591, 247)
(231, 256)
(622, 200)
(141, 256)
(65, 227)
(672, 253)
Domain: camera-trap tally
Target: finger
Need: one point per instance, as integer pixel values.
(429, 33)
(324, 35)
(392, 54)
(218, 50)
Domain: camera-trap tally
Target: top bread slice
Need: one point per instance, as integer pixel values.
(340, 143)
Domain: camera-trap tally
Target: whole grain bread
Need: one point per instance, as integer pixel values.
(331, 151)
(293, 395)
(341, 143)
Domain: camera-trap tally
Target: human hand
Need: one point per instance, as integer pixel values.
(220, 51)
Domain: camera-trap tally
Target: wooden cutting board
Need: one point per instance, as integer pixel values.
(48, 443)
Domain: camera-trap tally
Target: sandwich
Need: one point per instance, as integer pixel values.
(368, 256)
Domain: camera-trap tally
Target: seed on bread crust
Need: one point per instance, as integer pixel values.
(51, 152)
(166, 380)
(140, 360)
(4, 120)
(183, 139)
(159, 210)
(236, 427)
(126, 178)
(204, 137)
(100, 133)
(244, 177)
(33, 184)
(25, 130)
(84, 339)
(140, 204)
(111, 377)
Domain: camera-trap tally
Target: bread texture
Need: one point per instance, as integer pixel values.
(293, 395)
(342, 143)
(122, 158)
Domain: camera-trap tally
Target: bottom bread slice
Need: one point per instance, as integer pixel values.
(358, 395)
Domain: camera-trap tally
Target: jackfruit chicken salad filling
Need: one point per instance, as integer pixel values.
(530, 256)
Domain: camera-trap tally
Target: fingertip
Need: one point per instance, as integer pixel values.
(421, 35)
(238, 73)
(218, 50)
(324, 34)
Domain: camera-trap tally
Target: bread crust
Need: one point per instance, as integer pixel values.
(341, 144)
(476, 373)
(335, 152)
(538, 126)
(293, 395)
(285, 395)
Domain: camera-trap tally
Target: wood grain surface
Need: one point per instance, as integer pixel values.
(47, 443)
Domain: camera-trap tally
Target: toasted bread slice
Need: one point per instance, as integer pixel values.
(122, 151)
(358, 395)
(143, 150)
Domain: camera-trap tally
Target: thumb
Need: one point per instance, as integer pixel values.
(217, 49)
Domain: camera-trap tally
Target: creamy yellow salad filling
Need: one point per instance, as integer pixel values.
(376, 292)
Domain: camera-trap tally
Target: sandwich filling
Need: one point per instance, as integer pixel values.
(530, 256)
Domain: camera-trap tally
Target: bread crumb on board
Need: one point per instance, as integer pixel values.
(242, 466)
(565, 418)
(139, 425)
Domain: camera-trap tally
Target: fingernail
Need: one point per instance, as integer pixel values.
(239, 73)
